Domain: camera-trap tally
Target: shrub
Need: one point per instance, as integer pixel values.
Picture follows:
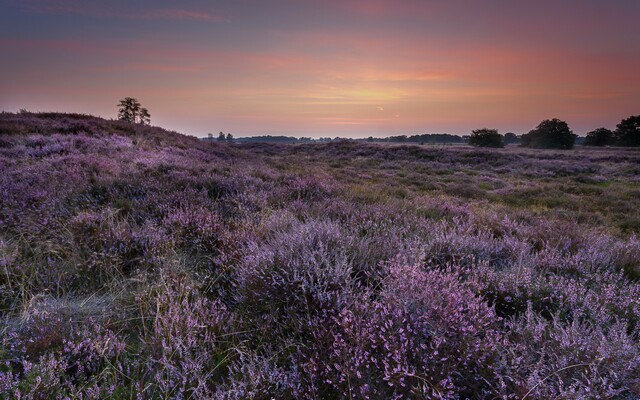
(426, 336)
(549, 134)
(551, 359)
(189, 342)
(486, 138)
(628, 132)
(599, 137)
(510, 138)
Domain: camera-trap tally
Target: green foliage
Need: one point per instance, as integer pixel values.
(130, 110)
(628, 132)
(486, 138)
(599, 137)
(549, 134)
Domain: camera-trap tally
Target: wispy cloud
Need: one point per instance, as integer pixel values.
(148, 68)
(63, 7)
(597, 95)
(180, 14)
(116, 9)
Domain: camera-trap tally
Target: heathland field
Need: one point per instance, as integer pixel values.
(141, 263)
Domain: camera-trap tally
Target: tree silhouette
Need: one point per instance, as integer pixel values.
(486, 138)
(549, 134)
(628, 132)
(510, 137)
(130, 110)
(221, 137)
(599, 137)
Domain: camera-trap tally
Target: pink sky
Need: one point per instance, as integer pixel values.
(331, 68)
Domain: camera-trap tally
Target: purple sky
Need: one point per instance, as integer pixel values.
(327, 68)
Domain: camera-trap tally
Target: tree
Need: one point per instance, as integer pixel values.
(229, 137)
(144, 117)
(221, 137)
(549, 134)
(628, 132)
(510, 138)
(599, 137)
(130, 110)
(486, 138)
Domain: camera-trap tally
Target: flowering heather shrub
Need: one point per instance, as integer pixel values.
(199, 230)
(627, 256)
(140, 263)
(110, 248)
(426, 336)
(190, 342)
(49, 354)
(299, 272)
(458, 242)
(253, 377)
(462, 329)
(551, 359)
(308, 188)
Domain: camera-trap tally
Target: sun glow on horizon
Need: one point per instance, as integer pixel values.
(306, 69)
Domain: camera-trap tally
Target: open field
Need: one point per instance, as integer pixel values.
(140, 263)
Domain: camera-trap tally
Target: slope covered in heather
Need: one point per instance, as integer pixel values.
(137, 262)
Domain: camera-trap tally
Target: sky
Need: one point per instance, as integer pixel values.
(349, 68)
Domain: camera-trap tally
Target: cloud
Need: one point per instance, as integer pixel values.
(149, 68)
(380, 108)
(64, 7)
(116, 9)
(180, 14)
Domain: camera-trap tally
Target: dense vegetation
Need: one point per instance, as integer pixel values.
(627, 132)
(137, 262)
(486, 138)
(599, 137)
(549, 134)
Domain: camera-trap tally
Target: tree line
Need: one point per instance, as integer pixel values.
(549, 134)
(556, 134)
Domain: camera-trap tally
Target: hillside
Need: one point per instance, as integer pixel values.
(142, 263)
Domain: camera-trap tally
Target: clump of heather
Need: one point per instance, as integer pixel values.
(424, 335)
(254, 377)
(189, 341)
(110, 248)
(49, 354)
(555, 359)
(298, 272)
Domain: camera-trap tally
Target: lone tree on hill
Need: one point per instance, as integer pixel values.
(599, 137)
(130, 110)
(549, 134)
(628, 132)
(486, 138)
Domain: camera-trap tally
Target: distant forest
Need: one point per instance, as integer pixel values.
(427, 138)
(549, 134)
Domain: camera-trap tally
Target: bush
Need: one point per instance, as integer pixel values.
(628, 132)
(486, 138)
(510, 138)
(599, 137)
(550, 134)
(425, 336)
